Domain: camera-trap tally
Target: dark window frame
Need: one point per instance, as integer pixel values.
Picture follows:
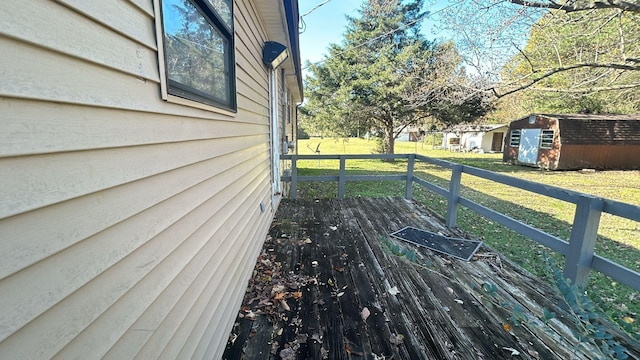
(207, 11)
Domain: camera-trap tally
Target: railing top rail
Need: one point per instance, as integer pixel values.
(345, 156)
(621, 209)
(625, 210)
(435, 161)
(542, 189)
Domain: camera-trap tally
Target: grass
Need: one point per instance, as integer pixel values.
(618, 239)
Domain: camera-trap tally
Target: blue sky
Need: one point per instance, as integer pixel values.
(327, 24)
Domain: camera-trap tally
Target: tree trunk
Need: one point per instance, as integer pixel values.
(389, 140)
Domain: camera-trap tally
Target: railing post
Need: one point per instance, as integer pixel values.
(454, 196)
(583, 239)
(341, 177)
(294, 177)
(408, 192)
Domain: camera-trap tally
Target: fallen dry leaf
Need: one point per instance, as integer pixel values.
(365, 313)
(277, 289)
(297, 294)
(396, 339)
(324, 353)
(506, 327)
(450, 290)
(279, 296)
(533, 353)
(288, 354)
(514, 352)
(628, 319)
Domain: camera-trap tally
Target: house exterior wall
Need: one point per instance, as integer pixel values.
(472, 139)
(450, 141)
(487, 139)
(129, 225)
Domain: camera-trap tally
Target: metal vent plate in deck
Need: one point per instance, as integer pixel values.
(456, 247)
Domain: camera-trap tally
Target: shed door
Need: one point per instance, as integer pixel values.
(496, 142)
(528, 149)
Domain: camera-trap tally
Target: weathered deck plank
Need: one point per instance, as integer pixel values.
(328, 260)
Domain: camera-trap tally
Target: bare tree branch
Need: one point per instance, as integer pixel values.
(551, 72)
(581, 5)
(589, 90)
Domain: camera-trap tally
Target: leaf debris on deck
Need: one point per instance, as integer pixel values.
(331, 284)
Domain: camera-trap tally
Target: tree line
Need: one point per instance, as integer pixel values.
(504, 59)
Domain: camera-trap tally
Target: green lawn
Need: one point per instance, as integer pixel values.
(619, 239)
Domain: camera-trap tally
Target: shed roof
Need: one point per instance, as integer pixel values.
(474, 128)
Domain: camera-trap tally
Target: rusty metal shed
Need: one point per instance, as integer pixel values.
(575, 141)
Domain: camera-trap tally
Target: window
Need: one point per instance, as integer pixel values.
(514, 139)
(198, 51)
(546, 139)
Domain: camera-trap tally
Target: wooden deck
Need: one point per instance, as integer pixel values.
(331, 284)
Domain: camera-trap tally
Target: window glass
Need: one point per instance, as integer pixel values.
(197, 54)
(223, 8)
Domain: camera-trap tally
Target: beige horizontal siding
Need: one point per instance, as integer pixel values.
(37, 127)
(49, 25)
(36, 181)
(33, 236)
(165, 261)
(120, 16)
(71, 80)
(96, 253)
(191, 330)
(129, 225)
(176, 299)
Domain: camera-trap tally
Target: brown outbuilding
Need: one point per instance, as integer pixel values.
(574, 141)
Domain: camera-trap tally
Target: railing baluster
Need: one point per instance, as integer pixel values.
(408, 192)
(583, 239)
(454, 195)
(294, 177)
(341, 178)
